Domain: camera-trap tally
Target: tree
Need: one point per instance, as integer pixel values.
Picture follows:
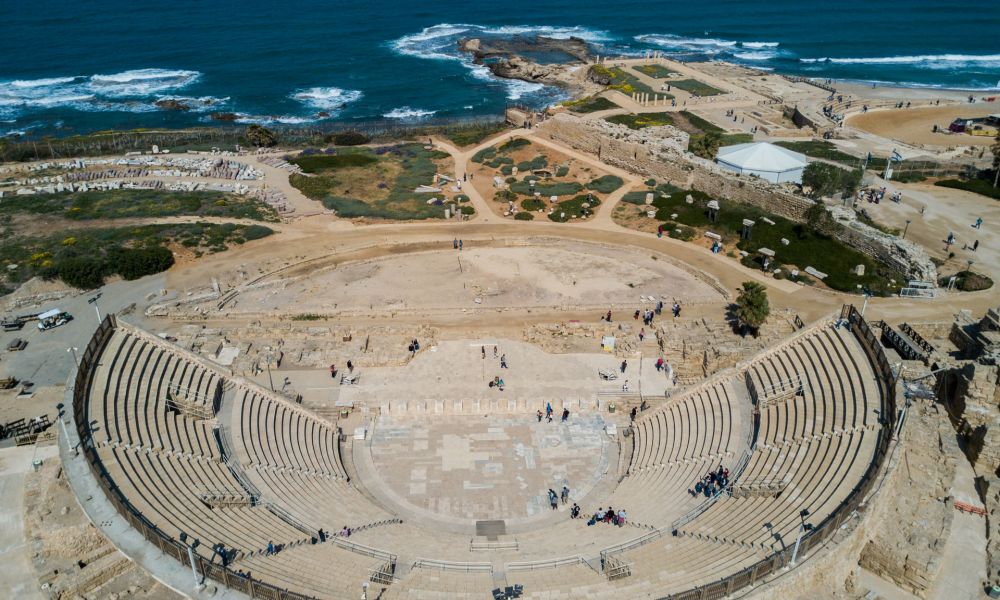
(752, 306)
(261, 136)
(995, 149)
(826, 179)
(705, 145)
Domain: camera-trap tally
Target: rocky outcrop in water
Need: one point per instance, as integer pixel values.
(509, 58)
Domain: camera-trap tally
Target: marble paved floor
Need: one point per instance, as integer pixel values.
(497, 467)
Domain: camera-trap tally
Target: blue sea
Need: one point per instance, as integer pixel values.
(70, 67)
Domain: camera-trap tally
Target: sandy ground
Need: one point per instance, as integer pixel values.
(554, 274)
(914, 125)
(946, 211)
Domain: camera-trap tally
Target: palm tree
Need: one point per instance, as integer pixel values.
(752, 306)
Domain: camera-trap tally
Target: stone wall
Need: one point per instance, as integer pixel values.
(659, 152)
(910, 556)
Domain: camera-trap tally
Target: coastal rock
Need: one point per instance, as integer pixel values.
(508, 58)
(226, 117)
(172, 104)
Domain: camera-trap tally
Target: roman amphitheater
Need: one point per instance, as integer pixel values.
(455, 408)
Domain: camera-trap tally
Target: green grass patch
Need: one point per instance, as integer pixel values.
(137, 204)
(605, 184)
(642, 121)
(473, 134)
(394, 199)
(565, 210)
(655, 71)
(590, 104)
(696, 87)
(621, 80)
(318, 163)
(558, 188)
(807, 247)
(976, 186)
(699, 124)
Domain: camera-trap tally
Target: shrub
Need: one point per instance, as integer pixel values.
(976, 186)
(484, 155)
(532, 204)
(651, 182)
(349, 138)
(81, 272)
(513, 144)
(256, 232)
(260, 136)
(524, 216)
(562, 171)
(539, 162)
(605, 184)
(133, 263)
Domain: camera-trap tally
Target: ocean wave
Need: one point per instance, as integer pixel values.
(327, 98)
(247, 119)
(926, 61)
(713, 47)
(128, 91)
(34, 83)
(405, 112)
(141, 82)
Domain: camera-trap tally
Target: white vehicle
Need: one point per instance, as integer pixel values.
(53, 318)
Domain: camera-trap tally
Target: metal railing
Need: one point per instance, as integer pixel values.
(165, 543)
(444, 565)
(855, 501)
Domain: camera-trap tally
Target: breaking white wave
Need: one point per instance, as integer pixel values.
(142, 82)
(33, 83)
(247, 119)
(128, 91)
(405, 112)
(327, 98)
(926, 61)
(713, 47)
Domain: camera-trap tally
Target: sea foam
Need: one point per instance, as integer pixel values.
(405, 112)
(327, 99)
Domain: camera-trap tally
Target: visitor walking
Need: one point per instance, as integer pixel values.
(333, 371)
(564, 495)
(459, 244)
(553, 499)
(565, 415)
(454, 243)
(625, 386)
(503, 361)
(624, 365)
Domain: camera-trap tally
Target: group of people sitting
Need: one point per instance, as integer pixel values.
(603, 516)
(714, 482)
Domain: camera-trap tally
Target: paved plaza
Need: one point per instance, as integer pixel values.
(486, 468)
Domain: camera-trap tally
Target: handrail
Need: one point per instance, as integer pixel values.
(444, 565)
(545, 564)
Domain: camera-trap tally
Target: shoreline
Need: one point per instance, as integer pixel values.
(24, 128)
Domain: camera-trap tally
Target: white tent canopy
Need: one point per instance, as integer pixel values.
(767, 161)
